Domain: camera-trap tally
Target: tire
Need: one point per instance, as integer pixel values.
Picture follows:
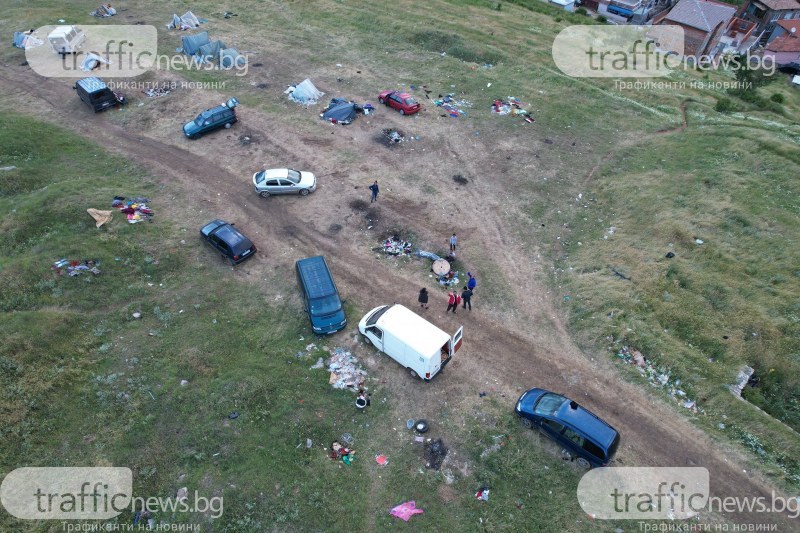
(583, 463)
(413, 374)
(381, 100)
(264, 194)
(402, 112)
(367, 340)
(527, 422)
(228, 125)
(303, 192)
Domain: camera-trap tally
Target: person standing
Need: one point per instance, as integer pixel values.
(472, 281)
(423, 298)
(466, 296)
(453, 242)
(375, 190)
(452, 301)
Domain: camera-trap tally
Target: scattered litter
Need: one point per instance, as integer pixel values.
(309, 443)
(137, 314)
(347, 455)
(12, 167)
(319, 364)
(75, 268)
(406, 510)
(454, 107)
(482, 494)
(347, 438)
(229, 14)
(382, 460)
(156, 92)
(670, 255)
(657, 376)
(136, 209)
(184, 383)
(26, 39)
(512, 106)
(435, 453)
(345, 370)
(461, 180)
(698, 241)
(481, 394)
(419, 438)
(394, 246)
(304, 93)
(421, 426)
(410, 423)
(234, 415)
(100, 217)
(393, 136)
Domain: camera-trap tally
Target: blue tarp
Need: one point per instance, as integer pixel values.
(231, 58)
(340, 111)
(620, 11)
(210, 51)
(305, 93)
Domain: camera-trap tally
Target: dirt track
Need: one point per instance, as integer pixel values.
(511, 352)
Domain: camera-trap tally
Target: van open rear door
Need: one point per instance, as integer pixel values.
(455, 341)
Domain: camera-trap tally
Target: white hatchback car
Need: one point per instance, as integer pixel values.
(284, 181)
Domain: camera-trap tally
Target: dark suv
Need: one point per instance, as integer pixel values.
(234, 246)
(222, 116)
(588, 439)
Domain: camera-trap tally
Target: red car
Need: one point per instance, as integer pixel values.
(403, 102)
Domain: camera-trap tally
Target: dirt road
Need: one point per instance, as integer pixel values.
(509, 350)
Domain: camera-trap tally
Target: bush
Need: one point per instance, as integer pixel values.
(724, 105)
(777, 98)
(580, 11)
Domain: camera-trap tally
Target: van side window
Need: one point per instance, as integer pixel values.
(552, 424)
(590, 447)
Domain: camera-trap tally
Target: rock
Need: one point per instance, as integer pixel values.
(741, 380)
(183, 493)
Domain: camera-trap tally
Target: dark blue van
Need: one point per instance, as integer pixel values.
(588, 439)
(320, 296)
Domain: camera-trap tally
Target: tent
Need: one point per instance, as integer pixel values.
(192, 43)
(231, 58)
(305, 93)
(187, 21)
(210, 51)
(340, 111)
(21, 40)
(92, 61)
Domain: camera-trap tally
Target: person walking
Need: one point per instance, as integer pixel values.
(452, 301)
(423, 298)
(453, 243)
(375, 190)
(472, 281)
(466, 296)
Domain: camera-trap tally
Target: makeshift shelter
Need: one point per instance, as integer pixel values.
(187, 21)
(192, 43)
(340, 111)
(231, 58)
(304, 93)
(210, 51)
(92, 61)
(25, 40)
(105, 10)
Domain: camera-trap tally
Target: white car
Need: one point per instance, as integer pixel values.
(284, 181)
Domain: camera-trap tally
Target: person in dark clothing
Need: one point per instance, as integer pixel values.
(466, 297)
(374, 189)
(423, 298)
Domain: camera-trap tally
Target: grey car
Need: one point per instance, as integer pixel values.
(284, 181)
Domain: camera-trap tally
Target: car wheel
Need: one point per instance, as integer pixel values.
(367, 340)
(413, 374)
(583, 463)
(228, 125)
(303, 192)
(195, 136)
(527, 423)
(402, 112)
(264, 194)
(381, 100)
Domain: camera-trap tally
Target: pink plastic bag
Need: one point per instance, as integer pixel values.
(406, 510)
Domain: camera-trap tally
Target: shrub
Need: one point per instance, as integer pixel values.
(580, 11)
(724, 105)
(601, 18)
(777, 98)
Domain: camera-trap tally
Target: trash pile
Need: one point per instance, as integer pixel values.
(435, 452)
(345, 370)
(454, 107)
(512, 107)
(393, 136)
(337, 451)
(136, 209)
(105, 10)
(75, 268)
(304, 93)
(155, 92)
(395, 246)
(451, 278)
(657, 376)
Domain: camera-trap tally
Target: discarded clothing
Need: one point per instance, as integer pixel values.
(100, 217)
(105, 10)
(135, 210)
(513, 107)
(482, 494)
(394, 246)
(406, 510)
(75, 268)
(454, 107)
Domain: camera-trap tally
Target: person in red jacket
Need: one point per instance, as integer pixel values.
(452, 301)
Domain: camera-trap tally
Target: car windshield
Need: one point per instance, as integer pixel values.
(411, 101)
(261, 176)
(548, 404)
(371, 321)
(325, 306)
(293, 176)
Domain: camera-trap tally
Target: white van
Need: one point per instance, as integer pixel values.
(66, 39)
(422, 348)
